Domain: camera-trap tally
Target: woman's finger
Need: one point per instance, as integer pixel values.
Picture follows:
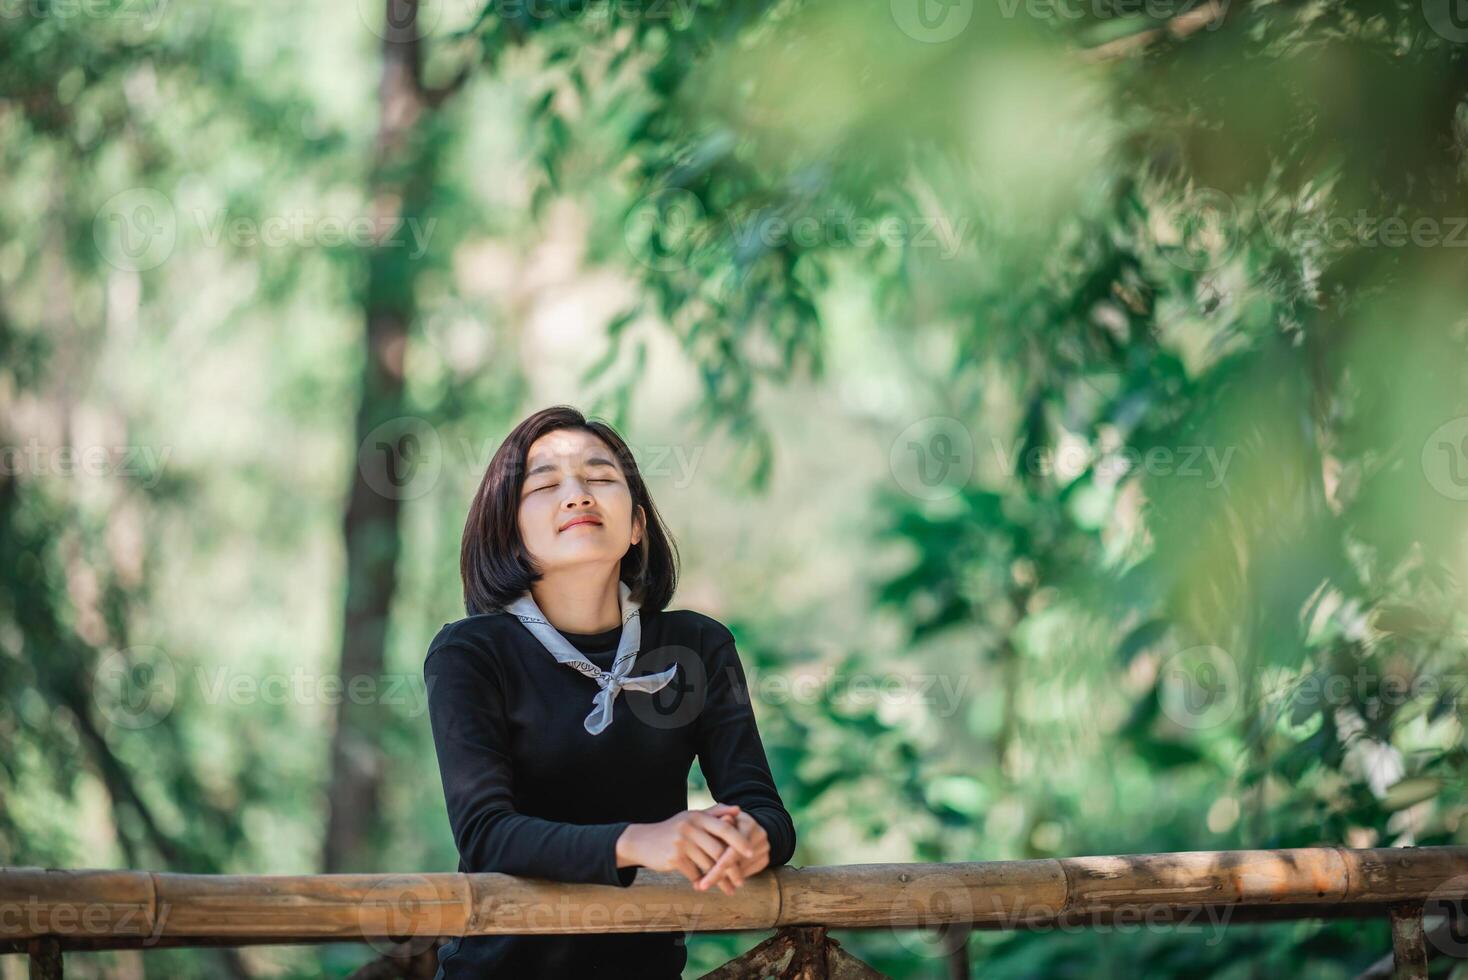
(696, 856)
(718, 873)
(686, 868)
(753, 829)
(731, 834)
(698, 846)
(756, 864)
(709, 847)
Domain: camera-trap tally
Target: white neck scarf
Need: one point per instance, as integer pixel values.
(528, 613)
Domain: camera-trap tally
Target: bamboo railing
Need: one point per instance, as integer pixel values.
(44, 912)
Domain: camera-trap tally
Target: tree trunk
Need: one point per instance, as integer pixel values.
(401, 177)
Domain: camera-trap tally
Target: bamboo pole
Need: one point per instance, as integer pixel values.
(111, 909)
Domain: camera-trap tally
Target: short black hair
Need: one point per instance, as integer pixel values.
(493, 563)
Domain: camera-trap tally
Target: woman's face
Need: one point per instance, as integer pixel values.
(570, 475)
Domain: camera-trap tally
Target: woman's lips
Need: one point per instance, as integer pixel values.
(585, 523)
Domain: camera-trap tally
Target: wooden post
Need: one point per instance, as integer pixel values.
(796, 953)
(958, 957)
(45, 954)
(1409, 942)
(809, 961)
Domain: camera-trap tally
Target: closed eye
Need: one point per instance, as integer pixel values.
(552, 486)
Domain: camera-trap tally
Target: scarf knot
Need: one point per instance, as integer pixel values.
(610, 683)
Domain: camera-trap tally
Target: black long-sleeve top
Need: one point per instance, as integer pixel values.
(531, 793)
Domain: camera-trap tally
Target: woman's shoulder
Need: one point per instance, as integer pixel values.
(695, 629)
(481, 633)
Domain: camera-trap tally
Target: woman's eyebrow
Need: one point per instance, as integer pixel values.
(592, 461)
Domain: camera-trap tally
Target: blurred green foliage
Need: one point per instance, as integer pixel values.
(1177, 486)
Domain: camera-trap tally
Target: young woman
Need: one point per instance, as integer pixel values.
(568, 706)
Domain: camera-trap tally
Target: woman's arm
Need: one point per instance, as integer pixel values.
(732, 756)
(471, 735)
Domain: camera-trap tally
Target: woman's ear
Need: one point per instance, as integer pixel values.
(639, 525)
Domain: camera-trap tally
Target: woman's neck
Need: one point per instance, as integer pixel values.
(576, 602)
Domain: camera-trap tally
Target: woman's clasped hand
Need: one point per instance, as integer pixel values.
(719, 845)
